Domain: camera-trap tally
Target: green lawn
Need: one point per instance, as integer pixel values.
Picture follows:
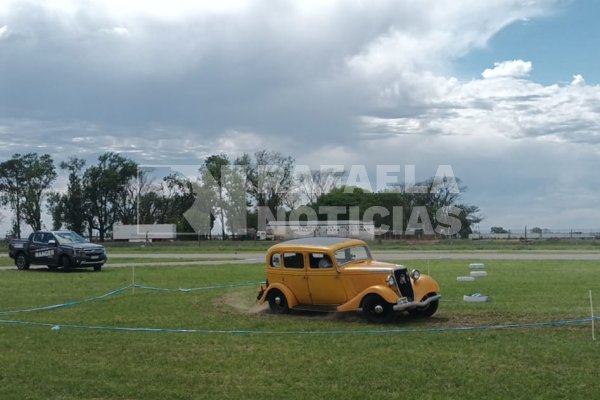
(442, 245)
(7, 261)
(230, 246)
(300, 355)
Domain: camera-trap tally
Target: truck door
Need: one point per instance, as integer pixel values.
(40, 251)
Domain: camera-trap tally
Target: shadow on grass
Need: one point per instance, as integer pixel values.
(58, 271)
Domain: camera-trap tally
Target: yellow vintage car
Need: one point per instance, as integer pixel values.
(339, 274)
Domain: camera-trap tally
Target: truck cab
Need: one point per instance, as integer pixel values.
(57, 249)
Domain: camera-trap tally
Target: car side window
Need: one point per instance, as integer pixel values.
(276, 260)
(320, 260)
(293, 260)
(38, 237)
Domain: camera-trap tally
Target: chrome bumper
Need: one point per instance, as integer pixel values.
(404, 304)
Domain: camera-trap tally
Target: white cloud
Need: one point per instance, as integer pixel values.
(3, 31)
(578, 80)
(343, 82)
(117, 31)
(508, 69)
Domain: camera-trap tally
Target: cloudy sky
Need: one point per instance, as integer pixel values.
(507, 92)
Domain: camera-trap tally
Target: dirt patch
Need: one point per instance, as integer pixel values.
(241, 302)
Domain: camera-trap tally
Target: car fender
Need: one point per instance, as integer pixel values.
(291, 299)
(423, 286)
(385, 292)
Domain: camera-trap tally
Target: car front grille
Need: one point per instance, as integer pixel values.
(404, 285)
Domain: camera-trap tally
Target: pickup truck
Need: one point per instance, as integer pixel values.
(56, 249)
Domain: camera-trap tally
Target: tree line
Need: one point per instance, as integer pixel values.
(116, 190)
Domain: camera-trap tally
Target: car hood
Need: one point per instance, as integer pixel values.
(84, 246)
(370, 267)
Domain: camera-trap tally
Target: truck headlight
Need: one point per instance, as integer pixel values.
(415, 274)
(390, 280)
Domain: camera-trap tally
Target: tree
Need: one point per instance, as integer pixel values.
(269, 176)
(135, 190)
(56, 207)
(11, 189)
(69, 209)
(24, 181)
(104, 186)
(315, 183)
(213, 171)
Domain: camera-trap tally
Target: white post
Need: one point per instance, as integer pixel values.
(592, 311)
(133, 279)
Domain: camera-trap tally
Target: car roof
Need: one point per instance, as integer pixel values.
(320, 243)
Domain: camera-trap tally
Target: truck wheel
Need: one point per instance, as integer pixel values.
(21, 261)
(97, 268)
(277, 302)
(376, 309)
(66, 263)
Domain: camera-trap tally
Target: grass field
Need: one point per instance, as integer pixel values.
(443, 245)
(7, 261)
(232, 246)
(301, 355)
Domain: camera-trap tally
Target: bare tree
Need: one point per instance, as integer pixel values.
(317, 182)
(132, 195)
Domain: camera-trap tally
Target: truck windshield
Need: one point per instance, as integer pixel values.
(352, 254)
(69, 237)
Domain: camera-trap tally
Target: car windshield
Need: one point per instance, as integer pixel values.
(352, 254)
(69, 237)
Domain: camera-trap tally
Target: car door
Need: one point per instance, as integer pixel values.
(324, 282)
(293, 275)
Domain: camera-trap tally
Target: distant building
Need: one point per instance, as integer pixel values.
(529, 235)
(284, 230)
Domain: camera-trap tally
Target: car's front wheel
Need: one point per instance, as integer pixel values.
(376, 309)
(21, 262)
(97, 268)
(425, 312)
(277, 302)
(66, 264)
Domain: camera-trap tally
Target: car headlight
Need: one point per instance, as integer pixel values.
(390, 280)
(415, 274)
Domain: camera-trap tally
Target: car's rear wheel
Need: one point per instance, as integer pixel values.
(376, 309)
(425, 312)
(277, 302)
(21, 262)
(66, 264)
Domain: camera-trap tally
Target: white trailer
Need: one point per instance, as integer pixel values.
(145, 233)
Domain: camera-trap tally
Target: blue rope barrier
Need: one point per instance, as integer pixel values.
(120, 290)
(57, 327)
(198, 289)
(68, 304)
